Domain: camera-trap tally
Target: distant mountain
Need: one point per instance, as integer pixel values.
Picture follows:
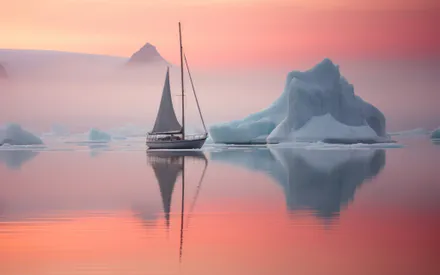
(147, 54)
(3, 73)
(48, 66)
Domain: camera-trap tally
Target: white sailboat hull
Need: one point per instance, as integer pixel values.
(176, 144)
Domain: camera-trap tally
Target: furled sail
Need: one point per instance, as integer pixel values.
(166, 120)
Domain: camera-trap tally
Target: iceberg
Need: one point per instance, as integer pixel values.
(98, 135)
(316, 105)
(435, 134)
(13, 134)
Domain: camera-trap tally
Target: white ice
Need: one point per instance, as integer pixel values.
(316, 104)
(326, 126)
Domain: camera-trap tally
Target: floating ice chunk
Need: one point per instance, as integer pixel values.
(435, 134)
(13, 134)
(310, 98)
(98, 135)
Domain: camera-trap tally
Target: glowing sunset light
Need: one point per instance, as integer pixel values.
(225, 32)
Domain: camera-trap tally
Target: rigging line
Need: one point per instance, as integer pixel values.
(194, 91)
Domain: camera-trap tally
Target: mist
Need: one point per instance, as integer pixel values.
(82, 91)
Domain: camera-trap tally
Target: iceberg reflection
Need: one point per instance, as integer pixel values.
(14, 159)
(323, 181)
(97, 148)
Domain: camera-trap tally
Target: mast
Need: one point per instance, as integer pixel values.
(181, 79)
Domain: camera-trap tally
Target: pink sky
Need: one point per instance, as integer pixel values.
(225, 32)
(378, 44)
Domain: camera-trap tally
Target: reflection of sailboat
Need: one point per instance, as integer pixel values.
(319, 180)
(167, 132)
(167, 166)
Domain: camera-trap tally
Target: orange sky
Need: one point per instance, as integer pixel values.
(225, 32)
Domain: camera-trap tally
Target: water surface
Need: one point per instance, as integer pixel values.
(245, 211)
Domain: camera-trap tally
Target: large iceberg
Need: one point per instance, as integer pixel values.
(13, 134)
(316, 105)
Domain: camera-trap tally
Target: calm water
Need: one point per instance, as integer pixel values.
(244, 211)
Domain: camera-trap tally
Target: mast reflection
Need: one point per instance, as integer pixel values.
(167, 166)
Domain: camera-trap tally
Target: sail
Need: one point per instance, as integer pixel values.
(166, 120)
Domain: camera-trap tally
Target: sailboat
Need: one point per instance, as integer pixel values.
(167, 132)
